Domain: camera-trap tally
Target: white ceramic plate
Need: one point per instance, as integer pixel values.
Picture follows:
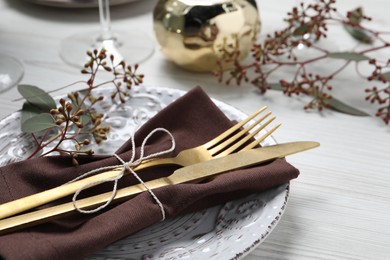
(228, 231)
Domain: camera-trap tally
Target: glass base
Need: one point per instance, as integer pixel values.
(134, 47)
(11, 72)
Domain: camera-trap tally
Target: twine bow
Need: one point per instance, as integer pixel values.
(126, 166)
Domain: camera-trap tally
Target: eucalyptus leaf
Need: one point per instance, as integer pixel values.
(38, 123)
(339, 106)
(334, 103)
(359, 34)
(356, 15)
(37, 97)
(352, 56)
(29, 111)
(301, 30)
(276, 86)
(85, 119)
(387, 76)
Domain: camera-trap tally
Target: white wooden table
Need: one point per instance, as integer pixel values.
(338, 207)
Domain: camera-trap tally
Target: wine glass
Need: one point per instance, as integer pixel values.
(132, 46)
(11, 72)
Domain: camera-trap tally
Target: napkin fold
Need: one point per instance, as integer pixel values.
(193, 120)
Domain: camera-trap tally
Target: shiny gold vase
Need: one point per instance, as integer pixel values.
(195, 34)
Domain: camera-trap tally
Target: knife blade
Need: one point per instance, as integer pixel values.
(190, 173)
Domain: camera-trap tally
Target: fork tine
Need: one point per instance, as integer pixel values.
(238, 136)
(258, 140)
(231, 130)
(242, 141)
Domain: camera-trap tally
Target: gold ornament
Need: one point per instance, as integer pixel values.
(195, 34)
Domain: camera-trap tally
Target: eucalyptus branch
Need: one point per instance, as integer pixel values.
(76, 118)
(307, 26)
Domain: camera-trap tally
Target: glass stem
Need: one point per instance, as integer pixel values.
(105, 21)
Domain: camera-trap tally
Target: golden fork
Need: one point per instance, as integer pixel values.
(224, 144)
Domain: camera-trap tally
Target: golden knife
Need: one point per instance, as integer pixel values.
(186, 174)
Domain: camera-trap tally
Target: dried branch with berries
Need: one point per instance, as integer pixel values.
(307, 25)
(75, 119)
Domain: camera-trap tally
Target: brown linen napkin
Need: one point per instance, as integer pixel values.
(193, 119)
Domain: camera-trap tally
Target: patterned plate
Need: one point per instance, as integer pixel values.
(228, 231)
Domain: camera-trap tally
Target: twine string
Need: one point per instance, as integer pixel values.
(125, 166)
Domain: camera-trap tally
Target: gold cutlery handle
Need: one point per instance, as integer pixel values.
(20, 205)
(44, 215)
